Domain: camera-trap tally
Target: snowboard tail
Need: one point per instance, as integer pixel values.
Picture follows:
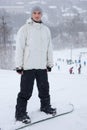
(61, 112)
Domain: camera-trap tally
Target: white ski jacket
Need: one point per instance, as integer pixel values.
(33, 46)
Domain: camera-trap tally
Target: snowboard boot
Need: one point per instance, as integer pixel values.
(49, 110)
(23, 118)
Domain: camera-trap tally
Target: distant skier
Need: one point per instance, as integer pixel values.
(79, 69)
(58, 67)
(84, 63)
(34, 58)
(71, 70)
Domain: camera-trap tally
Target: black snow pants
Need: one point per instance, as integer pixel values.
(26, 89)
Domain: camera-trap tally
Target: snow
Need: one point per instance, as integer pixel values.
(64, 89)
(35, 2)
(52, 6)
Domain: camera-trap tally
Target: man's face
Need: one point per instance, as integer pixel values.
(37, 16)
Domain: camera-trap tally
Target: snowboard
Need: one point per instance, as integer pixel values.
(39, 117)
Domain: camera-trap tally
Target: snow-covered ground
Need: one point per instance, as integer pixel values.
(64, 88)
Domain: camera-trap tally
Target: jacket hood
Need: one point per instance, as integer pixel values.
(29, 21)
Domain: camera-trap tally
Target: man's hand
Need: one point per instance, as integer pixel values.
(19, 70)
(48, 69)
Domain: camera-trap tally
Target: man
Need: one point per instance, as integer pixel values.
(33, 59)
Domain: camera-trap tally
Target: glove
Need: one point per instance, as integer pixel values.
(48, 69)
(19, 70)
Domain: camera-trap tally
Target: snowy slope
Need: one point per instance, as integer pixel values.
(64, 88)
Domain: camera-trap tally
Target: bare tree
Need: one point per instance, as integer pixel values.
(6, 49)
(5, 29)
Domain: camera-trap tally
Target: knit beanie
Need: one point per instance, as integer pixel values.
(36, 8)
